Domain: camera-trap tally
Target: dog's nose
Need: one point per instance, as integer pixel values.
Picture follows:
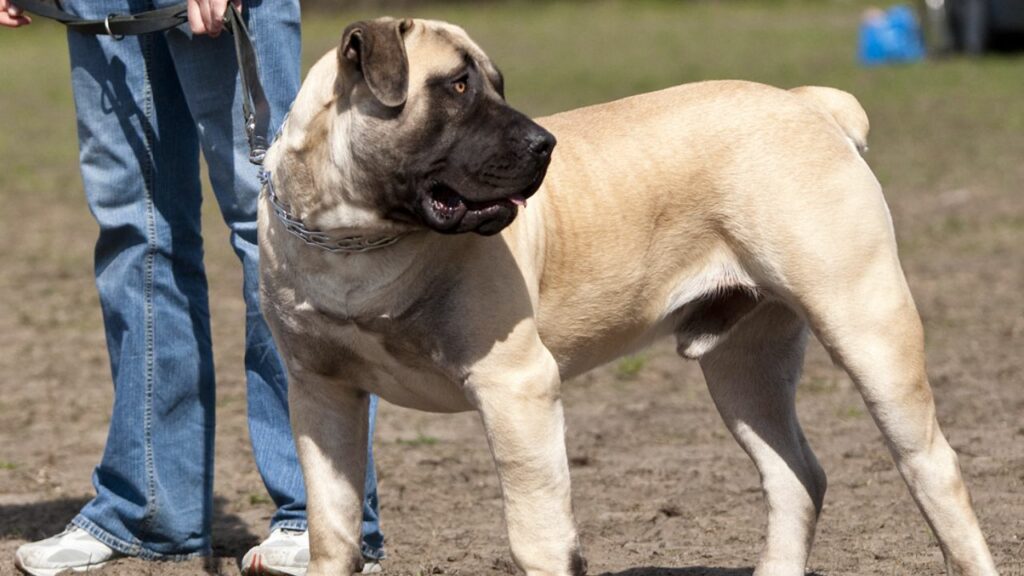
(540, 143)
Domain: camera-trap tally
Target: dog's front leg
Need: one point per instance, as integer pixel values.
(330, 423)
(522, 415)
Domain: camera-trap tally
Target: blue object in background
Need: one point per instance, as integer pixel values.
(889, 37)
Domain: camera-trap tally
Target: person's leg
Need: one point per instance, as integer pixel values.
(139, 160)
(373, 539)
(209, 74)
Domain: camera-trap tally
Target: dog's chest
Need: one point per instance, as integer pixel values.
(388, 358)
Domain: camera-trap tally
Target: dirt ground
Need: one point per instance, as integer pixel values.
(660, 487)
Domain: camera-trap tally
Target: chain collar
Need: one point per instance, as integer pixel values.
(319, 238)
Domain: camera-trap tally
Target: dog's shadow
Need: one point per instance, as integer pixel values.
(691, 571)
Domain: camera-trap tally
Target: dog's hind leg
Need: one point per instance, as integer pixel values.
(870, 327)
(752, 376)
(839, 264)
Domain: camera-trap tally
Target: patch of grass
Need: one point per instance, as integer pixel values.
(225, 400)
(629, 368)
(850, 412)
(259, 499)
(5, 465)
(819, 385)
(952, 225)
(421, 439)
(1015, 223)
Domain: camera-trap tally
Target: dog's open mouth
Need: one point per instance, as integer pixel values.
(446, 208)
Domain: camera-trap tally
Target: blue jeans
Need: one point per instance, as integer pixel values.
(146, 106)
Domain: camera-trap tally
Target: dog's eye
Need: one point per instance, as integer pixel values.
(461, 84)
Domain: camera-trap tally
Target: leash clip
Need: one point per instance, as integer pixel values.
(257, 144)
(106, 24)
(255, 108)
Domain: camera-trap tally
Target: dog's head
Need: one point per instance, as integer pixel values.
(419, 123)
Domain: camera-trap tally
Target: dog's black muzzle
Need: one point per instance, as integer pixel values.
(487, 177)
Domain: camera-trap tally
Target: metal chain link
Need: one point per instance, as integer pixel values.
(319, 238)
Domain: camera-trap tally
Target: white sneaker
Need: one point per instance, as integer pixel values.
(372, 567)
(73, 549)
(284, 553)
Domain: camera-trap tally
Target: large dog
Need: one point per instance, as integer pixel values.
(735, 216)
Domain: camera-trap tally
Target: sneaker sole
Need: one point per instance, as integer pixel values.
(258, 568)
(55, 571)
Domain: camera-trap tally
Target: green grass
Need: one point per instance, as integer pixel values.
(850, 412)
(259, 499)
(421, 439)
(819, 385)
(629, 368)
(937, 124)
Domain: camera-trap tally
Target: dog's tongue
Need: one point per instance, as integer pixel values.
(518, 200)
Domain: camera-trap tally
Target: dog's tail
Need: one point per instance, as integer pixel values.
(841, 106)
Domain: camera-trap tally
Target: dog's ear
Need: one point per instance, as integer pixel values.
(378, 52)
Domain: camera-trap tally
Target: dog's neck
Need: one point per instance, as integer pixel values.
(317, 182)
(314, 184)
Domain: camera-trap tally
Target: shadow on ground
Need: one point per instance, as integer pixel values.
(37, 520)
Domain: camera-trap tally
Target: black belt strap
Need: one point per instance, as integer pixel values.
(116, 25)
(255, 107)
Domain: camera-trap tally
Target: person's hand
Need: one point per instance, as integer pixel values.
(206, 16)
(11, 16)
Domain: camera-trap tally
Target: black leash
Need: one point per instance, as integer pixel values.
(255, 107)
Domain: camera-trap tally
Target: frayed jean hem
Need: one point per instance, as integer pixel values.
(133, 549)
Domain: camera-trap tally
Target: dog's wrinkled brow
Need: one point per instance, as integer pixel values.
(468, 63)
(494, 76)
